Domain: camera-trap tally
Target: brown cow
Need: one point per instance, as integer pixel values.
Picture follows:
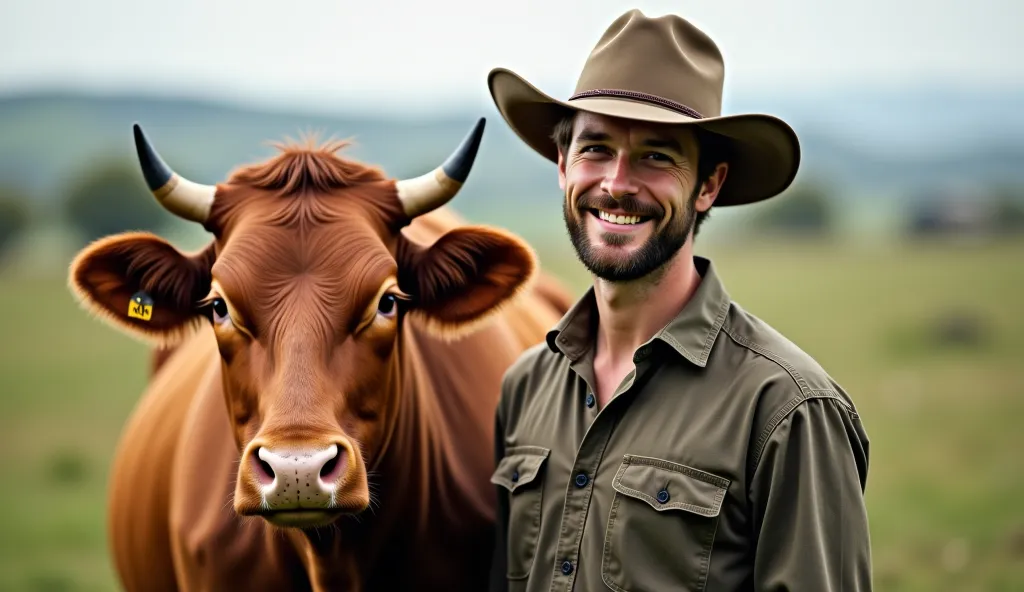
(315, 424)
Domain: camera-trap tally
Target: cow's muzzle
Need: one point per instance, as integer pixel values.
(301, 485)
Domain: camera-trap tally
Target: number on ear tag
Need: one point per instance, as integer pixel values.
(140, 306)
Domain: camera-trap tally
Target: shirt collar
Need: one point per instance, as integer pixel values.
(691, 333)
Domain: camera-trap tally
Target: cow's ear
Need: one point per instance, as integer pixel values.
(465, 276)
(139, 283)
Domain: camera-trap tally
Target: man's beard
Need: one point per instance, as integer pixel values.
(651, 256)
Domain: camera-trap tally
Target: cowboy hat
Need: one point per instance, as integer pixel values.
(662, 70)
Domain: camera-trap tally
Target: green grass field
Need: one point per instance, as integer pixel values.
(946, 487)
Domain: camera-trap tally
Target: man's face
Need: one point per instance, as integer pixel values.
(631, 194)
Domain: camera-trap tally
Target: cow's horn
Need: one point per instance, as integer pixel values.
(182, 197)
(432, 190)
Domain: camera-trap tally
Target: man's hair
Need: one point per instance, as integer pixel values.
(713, 150)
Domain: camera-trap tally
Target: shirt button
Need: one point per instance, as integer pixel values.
(566, 567)
(590, 399)
(663, 496)
(581, 480)
(515, 476)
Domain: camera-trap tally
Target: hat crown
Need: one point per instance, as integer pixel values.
(661, 58)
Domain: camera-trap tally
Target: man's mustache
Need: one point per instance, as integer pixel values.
(628, 203)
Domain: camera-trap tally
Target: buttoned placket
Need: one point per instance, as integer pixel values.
(579, 490)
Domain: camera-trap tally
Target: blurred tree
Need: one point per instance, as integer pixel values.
(1009, 210)
(804, 209)
(112, 197)
(14, 215)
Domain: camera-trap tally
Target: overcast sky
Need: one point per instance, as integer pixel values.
(327, 53)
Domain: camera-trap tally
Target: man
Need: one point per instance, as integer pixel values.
(663, 438)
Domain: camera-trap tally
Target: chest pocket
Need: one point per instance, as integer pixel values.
(520, 472)
(661, 526)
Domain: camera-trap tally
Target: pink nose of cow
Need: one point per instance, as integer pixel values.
(293, 479)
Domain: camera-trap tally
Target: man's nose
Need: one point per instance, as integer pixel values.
(619, 180)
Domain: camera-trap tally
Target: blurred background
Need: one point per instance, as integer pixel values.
(896, 258)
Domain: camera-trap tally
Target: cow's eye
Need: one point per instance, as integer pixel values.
(220, 310)
(388, 305)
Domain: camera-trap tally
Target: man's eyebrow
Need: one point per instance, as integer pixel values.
(665, 143)
(592, 135)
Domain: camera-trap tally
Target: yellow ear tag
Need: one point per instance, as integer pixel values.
(140, 306)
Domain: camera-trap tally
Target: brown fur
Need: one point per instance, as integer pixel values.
(301, 245)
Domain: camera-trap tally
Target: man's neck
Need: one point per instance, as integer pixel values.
(630, 313)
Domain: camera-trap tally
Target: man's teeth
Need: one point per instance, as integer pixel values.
(618, 219)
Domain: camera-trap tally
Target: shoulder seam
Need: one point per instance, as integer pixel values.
(805, 389)
(781, 414)
(806, 393)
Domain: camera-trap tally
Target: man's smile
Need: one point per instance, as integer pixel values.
(618, 221)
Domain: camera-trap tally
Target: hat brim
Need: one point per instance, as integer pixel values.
(764, 150)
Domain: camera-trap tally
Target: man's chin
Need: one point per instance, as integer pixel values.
(612, 267)
(616, 249)
(622, 263)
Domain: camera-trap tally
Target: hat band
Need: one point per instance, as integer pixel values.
(638, 96)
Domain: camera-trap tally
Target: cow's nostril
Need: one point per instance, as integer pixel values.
(332, 469)
(328, 467)
(264, 472)
(267, 469)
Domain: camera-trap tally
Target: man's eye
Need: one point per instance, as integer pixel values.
(659, 156)
(388, 305)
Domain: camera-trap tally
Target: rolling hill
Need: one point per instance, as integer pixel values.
(867, 146)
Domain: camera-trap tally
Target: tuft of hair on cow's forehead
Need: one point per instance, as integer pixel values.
(318, 183)
(307, 165)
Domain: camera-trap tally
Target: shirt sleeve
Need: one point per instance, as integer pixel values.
(498, 581)
(809, 515)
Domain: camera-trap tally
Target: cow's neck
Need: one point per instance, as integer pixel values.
(400, 482)
(331, 560)
(404, 473)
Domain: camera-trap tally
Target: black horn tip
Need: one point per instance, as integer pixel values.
(156, 172)
(459, 164)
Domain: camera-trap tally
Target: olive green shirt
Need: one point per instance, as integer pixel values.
(728, 459)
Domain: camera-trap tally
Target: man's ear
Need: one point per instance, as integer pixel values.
(108, 273)
(710, 187)
(469, 274)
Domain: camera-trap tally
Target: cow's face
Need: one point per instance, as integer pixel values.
(307, 286)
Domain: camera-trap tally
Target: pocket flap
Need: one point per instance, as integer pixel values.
(520, 466)
(666, 485)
